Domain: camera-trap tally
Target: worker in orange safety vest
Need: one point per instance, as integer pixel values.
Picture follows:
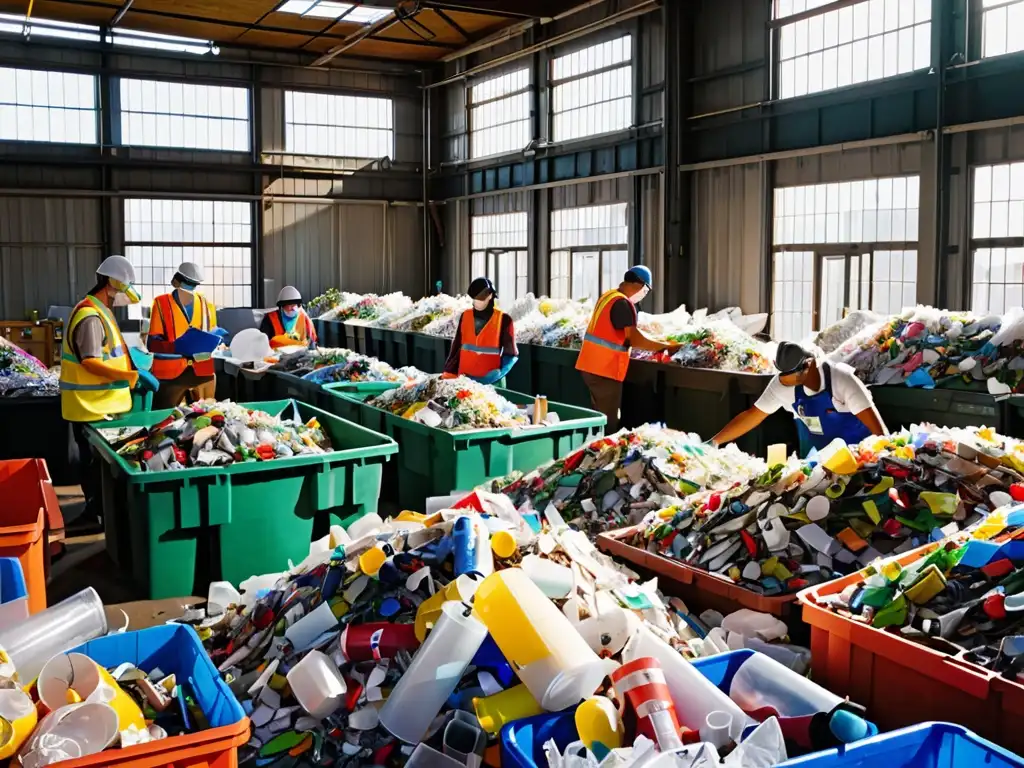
(484, 347)
(604, 357)
(289, 325)
(172, 315)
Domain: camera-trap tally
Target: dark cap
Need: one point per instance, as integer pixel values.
(480, 286)
(790, 357)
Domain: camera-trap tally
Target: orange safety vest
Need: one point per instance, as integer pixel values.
(174, 324)
(303, 331)
(605, 351)
(480, 353)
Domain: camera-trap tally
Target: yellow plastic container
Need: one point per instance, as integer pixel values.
(494, 712)
(429, 612)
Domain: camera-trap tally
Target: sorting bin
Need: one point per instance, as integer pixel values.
(429, 353)
(280, 385)
(34, 428)
(902, 682)
(521, 377)
(927, 745)
(377, 340)
(902, 406)
(522, 741)
(400, 349)
(435, 462)
(175, 650)
(178, 530)
(556, 377)
(700, 589)
(29, 501)
(331, 333)
(14, 606)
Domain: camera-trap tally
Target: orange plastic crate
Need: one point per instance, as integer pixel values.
(699, 588)
(902, 682)
(29, 499)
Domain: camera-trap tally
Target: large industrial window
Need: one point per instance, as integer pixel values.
(161, 114)
(997, 238)
(327, 9)
(216, 235)
(869, 40)
(1002, 27)
(334, 125)
(499, 251)
(849, 245)
(47, 106)
(592, 90)
(589, 250)
(499, 114)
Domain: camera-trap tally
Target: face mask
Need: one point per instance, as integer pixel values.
(186, 287)
(126, 293)
(481, 304)
(290, 312)
(639, 296)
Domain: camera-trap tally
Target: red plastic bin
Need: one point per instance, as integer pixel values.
(699, 588)
(29, 500)
(902, 682)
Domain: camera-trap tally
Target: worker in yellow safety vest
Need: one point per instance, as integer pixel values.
(289, 325)
(612, 332)
(172, 315)
(96, 373)
(484, 347)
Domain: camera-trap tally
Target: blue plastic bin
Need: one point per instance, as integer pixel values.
(13, 592)
(928, 745)
(522, 742)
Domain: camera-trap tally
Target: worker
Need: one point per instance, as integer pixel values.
(96, 372)
(484, 347)
(612, 332)
(171, 317)
(827, 401)
(289, 325)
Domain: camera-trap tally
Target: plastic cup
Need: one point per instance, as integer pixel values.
(716, 728)
(317, 685)
(371, 560)
(73, 677)
(68, 624)
(19, 713)
(554, 580)
(77, 730)
(436, 669)
(516, 703)
(429, 612)
(503, 544)
(220, 596)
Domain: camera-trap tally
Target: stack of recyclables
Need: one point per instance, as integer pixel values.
(168, 526)
(436, 462)
(807, 521)
(934, 633)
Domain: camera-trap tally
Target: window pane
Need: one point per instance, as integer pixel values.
(40, 106)
(213, 234)
(161, 114)
(335, 125)
(792, 286)
(597, 103)
(868, 41)
(1002, 28)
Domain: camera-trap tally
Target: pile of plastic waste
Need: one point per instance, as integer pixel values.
(426, 315)
(804, 522)
(369, 307)
(357, 368)
(925, 347)
(210, 433)
(617, 480)
(416, 640)
(330, 299)
(454, 404)
(830, 338)
(718, 346)
(22, 375)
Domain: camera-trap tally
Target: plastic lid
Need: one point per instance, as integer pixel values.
(250, 345)
(389, 607)
(503, 544)
(848, 727)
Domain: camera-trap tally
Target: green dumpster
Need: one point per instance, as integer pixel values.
(399, 351)
(377, 340)
(520, 378)
(333, 334)
(280, 385)
(1013, 416)
(435, 462)
(556, 377)
(178, 530)
(429, 353)
(901, 406)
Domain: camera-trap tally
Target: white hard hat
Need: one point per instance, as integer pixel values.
(118, 268)
(250, 345)
(191, 272)
(289, 294)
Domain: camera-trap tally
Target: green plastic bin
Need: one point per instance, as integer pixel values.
(556, 377)
(901, 406)
(429, 353)
(521, 377)
(279, 385)
(435, 462)
(333, 334)
(377, 340)
(400, 349)
(176, 531)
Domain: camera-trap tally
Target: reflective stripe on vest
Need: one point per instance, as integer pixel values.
(84, 396)
(605, 352)
(480, 352)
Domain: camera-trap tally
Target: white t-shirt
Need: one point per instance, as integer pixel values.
(849, 395)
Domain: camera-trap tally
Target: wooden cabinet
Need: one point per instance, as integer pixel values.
(42, 339)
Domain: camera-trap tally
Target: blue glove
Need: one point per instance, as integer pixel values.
(507, 362)
(147, 382)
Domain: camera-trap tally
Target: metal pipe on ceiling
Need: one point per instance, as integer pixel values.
(984, 125)
(609, 21)
(554, 184)
(125, 7)
(357, 37)
(151, 195)
(848, 146)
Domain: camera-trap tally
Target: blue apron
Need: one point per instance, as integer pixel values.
(818, 422)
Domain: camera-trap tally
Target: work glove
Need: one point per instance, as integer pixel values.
(147, 382)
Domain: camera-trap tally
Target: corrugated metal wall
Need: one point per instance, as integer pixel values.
(730, 37)
(49, 250)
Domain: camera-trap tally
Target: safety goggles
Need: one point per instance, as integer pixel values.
(127, 289)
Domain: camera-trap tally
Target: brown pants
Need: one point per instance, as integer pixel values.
(606, 397)
(187, 386)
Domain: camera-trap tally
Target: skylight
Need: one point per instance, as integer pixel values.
(154, 41)
(15, 25)
(327, 9)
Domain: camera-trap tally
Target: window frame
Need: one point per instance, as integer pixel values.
(95, 109)
(552, 83)
(471, 105)
(287, 126)
(490, 253)
(988, 243)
